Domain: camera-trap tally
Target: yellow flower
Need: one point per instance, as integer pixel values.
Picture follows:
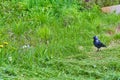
(5, 43)
(1, 46)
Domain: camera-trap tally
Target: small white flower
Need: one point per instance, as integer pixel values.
(10, 58)
(26, 46)
(94, 66)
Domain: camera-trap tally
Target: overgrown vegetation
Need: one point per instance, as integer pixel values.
(53, 40)
(102, 2)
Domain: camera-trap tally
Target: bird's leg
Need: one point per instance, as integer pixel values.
(98, 50)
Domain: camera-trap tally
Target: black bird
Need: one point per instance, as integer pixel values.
(97, 43)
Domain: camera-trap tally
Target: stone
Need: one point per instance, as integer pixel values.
(111, 9)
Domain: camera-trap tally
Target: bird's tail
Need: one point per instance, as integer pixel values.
(103, 45)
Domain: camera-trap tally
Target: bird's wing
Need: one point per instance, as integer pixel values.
(101, 44)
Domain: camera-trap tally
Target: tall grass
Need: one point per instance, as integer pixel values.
(54, 38)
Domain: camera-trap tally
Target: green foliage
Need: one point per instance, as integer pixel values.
(117, 36)
(44, 33)
(100, 2)
(53, 39)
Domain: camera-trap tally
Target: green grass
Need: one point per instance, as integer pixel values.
(53, 40)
